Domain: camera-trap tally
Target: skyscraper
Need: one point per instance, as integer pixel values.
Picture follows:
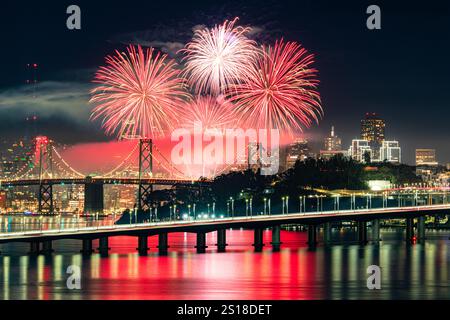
(332, 146)
(298, 150)
(359, 149)
(332, 142)
(390, 151)
(373, 131)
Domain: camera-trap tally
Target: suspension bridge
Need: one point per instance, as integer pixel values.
(47, 168)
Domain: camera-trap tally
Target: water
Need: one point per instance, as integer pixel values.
(420, 271)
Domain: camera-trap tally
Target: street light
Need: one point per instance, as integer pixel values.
(287, 204)
(265, 205)
(232, 206)
(246, 207)
(282, 205)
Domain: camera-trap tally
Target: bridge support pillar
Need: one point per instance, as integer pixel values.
(45, 199)
(221, 240)
(142, 245)
(34, 247)
(201, 242)
(258, 240)
(409, 230)
(327, 233)
(47, 247)
(421, 229)
(86, 248)
(276, 238)
(376, 230)
(103, 246)
(312, 236)
(362, 232)
(163, 243)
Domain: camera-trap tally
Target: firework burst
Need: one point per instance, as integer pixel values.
(139, 93)
(217, 57)
(211, 112)
(279, 91)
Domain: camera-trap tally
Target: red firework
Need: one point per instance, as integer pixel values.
(211, 112)
(280, 91)
(139, 93)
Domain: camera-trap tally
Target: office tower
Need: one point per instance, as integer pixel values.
(332, 142)
(359, 150)
(373, 131)
(390, 151)
(426, 157)
(297, 150)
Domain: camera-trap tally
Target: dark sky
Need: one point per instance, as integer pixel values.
(401, 72)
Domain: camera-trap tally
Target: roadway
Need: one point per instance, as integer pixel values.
(208, 225)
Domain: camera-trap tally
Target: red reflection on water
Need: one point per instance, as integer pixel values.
(183, 274)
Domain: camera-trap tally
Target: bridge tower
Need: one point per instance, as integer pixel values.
(43, 155)
(145, 171)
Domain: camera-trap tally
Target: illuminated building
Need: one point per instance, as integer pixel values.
(358, 150)
(426, 157)
(297, 150)
(373, 131)
(390, 151)
(332, 142)
(332, 146)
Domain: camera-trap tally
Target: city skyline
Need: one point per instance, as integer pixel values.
(60, 97)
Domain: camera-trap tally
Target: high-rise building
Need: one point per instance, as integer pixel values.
(332, 146)
(390, 151)
(426, 157)
(373, 131)
(332, 142)
(358, 150)
(297, 150)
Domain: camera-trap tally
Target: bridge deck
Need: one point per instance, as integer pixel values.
(214, 224)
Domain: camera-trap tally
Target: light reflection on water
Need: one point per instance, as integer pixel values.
(339, 272)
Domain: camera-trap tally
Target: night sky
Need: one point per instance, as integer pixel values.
(401, 71)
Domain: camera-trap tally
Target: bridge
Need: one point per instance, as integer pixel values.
(48, 168)
(41, 240)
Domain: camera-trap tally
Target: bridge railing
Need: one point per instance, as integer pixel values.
(96, 226)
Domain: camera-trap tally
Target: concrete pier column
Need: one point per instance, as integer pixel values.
(34, 247)
(86, 248)
(201, 242)
(163, 243)
(421, 229)
(221, 240)
(312, 235)
(376, 230)
(327, 233)
(258, 240)
(362, 232)
(142, 245)
(276, 238)
(103, 246)
(47, 247)
(409, 230)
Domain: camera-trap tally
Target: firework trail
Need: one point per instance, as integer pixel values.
(217, 57)
(211, 112)
(139, 93)
(279, 91)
